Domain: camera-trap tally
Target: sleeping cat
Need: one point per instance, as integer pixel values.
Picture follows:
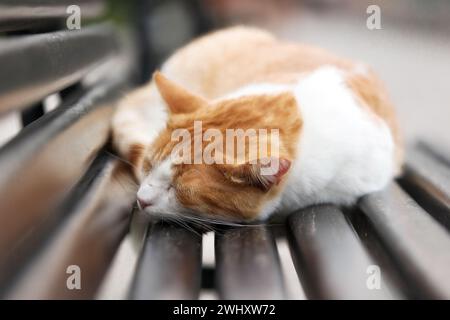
(337, 132)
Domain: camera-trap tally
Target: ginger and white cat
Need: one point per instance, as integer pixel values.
(337, 129)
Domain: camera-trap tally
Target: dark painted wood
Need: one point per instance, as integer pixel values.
(37, 65)
(27, 14)
(84, 231)
(427, 179)
(416, 242)
(330, 259)
(40, 165)
(247, 264)
(170, 264)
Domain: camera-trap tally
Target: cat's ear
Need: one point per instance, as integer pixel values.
(178, 99)
(263, 174)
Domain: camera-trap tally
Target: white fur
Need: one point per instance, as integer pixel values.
(344, 152)
(156, 189)
(139, 119)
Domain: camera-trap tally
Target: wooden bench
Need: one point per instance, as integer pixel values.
(65, 198)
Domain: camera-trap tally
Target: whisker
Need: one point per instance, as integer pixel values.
(126, 187)
(186, 226)
(230, 223)
(206, 226)
(219, 222)
(121, 159)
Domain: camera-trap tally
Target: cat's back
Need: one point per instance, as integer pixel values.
(208, 64)
(230, 59)
(225, 60)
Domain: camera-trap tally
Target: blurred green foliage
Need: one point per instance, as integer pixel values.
(120, 11)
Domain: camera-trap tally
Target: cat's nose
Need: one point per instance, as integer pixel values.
(147, 196)
(142, 204)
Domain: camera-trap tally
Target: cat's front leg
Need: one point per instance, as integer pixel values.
(136, 123)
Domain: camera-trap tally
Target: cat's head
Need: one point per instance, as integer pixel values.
(194, 168)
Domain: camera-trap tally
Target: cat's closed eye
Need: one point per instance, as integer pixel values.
(147, 166)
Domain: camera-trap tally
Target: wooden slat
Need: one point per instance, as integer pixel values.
(170, 264)
(84, 231)
(417, 243)
(23, 14)
(247, 264)
(329, 257)
(40, 165)
(427, 179)
(37, 65)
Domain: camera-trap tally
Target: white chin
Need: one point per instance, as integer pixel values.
(155, 212)
(160, 211)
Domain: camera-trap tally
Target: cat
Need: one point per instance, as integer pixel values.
(338, 133)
